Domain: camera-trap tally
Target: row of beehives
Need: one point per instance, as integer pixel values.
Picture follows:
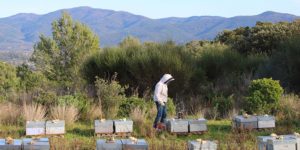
(53, 127)
(113, 126)
(123, 144)
(282, 142)
(25, 144)
(253, 122)
(186, 125)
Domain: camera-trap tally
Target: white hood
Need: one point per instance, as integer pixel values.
(161, 89)
(166, 77)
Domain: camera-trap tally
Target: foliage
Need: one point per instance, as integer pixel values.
(60, 57)
(130, 41)
(8, 78)
(45, 98)
(264, 96)
(171, 108)
(128, 104)
(223, 105)
(80, 101)
(264, 37)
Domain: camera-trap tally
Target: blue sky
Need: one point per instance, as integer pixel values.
(157, 8)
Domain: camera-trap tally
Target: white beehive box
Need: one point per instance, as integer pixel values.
(17, 145)
(41, 144)
(265, 121)
(102, 145)
(35, 128)
(298, 142)
(122, 126)
(208, 145)
(55, 127)
(263, 142)
(197, 125)
(129, 145)
(245, 123)
(106, 126)
(175, 125)
(287, 143)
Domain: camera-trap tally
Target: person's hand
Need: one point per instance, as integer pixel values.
(161, 103)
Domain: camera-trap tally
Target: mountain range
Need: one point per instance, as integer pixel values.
(21, 31)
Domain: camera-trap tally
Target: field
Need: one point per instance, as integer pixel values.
(80, 135)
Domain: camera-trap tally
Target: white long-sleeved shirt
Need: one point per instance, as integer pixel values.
(161, 89)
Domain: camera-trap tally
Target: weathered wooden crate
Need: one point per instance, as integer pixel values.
(287, 143)
(121, 126)
(178, 126)
(197, 125)
(17, 145)
(35, 128)
(41, 144)
(265, 121)
(129, 145)
(104, 127)
(55, 128)
(102, 145)
(208, 145)
(245, 123)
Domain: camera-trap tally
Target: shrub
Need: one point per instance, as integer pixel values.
(45, 98)
(128, 104)
(33, 112)
(79, 100)
(223, 105)
(264, 96)
(171, 109)
(63, 112)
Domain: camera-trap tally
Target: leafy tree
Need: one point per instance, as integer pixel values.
(8, 79)
(60, 57)
(130, 41)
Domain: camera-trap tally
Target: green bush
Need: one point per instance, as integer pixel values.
(79, 100)
(265, 95)
(223, 104)
(45, 98)
(128, 104)
(171, 109)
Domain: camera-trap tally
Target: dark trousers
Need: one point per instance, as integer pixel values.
(161, 113)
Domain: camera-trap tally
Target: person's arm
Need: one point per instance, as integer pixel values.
(159, 96)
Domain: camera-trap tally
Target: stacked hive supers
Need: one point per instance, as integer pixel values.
(186, 125)
(113, 126)
(37, 128)
(253, 122)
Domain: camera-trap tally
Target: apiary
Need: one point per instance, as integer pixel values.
(196, 125)
(245, 122)
(202, 145)
(13, 144)
(36, 144)
(265, 121)
(55, 127)
(138, 144)
(103, 144)
(177, 125)
(104, 126)
(282, 143)
(35, 128)
(123, 126)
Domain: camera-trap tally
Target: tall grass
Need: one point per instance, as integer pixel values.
(63, 112)
(33, 112)
(10, 113)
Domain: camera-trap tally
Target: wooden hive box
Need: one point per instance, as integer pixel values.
(197, 125)
(35, 128)
(263, 142)
(104, 127)
(17, 145)
(129, 145)
(209, 145)
(287, 143)
(245, 123)
(55, 128)
(178, 126)
(265, 121)
(121, 126)
(41, 144)
(102, 145)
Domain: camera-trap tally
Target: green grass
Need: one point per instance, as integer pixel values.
(81, 136)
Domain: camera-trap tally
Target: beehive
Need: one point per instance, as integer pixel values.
(197, 125)
(104, 126)
(287, 143)
(265, 121)
(123, 126)
(207, 145)
(263, 142)
(129, 145)
(175, 125)
(55, 127)
(245, 123)
(103, 145)
(35, 128)
(36, 144)
(16, 145)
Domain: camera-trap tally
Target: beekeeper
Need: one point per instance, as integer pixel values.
(161, 98)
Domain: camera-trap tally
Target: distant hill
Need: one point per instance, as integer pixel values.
(21, 31)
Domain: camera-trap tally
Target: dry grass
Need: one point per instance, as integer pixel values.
(290, 105)
(138, 115)
(33, 112)
(62, 112)
(93, 113)
(10, 113)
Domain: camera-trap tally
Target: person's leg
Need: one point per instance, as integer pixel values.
(164, 113)
(159, 114)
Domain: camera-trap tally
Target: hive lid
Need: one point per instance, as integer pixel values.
(241, 118)
(265, 118)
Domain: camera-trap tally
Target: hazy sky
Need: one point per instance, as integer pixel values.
(157, 8)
